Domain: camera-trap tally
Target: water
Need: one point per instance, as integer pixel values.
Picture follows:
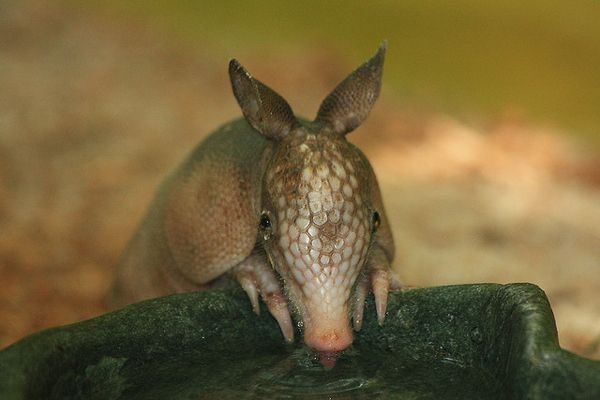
(299, 374)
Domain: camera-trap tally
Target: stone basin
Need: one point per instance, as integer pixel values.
(483, 341)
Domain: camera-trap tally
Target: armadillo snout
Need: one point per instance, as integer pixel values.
(328, 339)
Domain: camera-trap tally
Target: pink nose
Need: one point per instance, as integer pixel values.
(328, 339)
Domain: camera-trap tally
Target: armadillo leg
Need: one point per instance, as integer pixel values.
(256, 277)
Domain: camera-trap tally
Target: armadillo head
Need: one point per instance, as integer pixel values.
(317, 211)
(318, 201)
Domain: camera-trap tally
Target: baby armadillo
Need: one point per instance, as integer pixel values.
(286, 207)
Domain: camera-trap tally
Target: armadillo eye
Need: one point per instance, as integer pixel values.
(265, 221)
(375, 220)
(265, 226)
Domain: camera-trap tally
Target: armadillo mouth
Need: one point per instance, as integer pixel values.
(328, 359)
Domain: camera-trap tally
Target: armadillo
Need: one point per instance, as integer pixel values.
(286, 207)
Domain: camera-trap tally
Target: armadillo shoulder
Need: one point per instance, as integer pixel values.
(213, 202)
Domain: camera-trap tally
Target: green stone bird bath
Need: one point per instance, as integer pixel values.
(482, 341)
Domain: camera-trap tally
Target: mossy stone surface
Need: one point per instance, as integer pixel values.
(465, 342)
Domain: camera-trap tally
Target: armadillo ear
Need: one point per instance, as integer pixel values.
(262, 107)
(344, 109)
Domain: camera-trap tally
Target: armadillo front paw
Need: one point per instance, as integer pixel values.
(256, 277)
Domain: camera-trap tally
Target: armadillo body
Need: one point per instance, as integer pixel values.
(288, 208)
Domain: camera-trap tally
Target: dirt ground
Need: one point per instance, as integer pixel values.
(94, 112)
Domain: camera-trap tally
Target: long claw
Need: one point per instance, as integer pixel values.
(380, 280)
(278, 307)
(362, 288)
(249, 287)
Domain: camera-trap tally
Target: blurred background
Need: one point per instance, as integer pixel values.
(486, 138)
